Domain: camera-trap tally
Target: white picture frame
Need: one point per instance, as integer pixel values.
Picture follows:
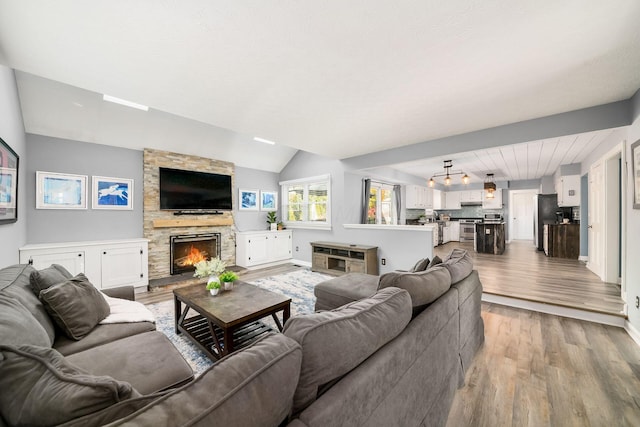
(248, 200)
(268, 201)
(112, 193)
(60, 191)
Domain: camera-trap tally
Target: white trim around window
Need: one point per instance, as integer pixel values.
(306, 202)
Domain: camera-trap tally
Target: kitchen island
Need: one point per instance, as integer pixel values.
(490, 238)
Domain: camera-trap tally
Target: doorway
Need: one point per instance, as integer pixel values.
(522, 205)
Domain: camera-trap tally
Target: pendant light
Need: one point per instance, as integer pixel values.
(448, 164)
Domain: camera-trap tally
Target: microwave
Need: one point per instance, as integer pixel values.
(493, 217)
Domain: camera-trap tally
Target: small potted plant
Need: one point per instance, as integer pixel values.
(210, 268)
(227, 278)
(280, 226)
(213, 287)
(272, 220)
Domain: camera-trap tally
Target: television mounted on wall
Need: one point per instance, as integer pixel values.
(184, 190)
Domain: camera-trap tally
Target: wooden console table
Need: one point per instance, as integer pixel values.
(341, 258)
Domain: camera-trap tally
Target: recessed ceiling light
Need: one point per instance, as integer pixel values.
(121, 101)
(266, 141)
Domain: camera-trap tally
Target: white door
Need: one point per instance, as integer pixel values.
(595, 211)
(522, 216)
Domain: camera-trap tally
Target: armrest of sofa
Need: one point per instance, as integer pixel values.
(123, 292)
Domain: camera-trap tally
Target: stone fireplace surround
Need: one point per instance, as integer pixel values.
(159, 225)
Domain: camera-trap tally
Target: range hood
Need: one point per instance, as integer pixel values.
(470, 203)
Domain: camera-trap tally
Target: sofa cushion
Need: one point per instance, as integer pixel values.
(335, 342)
(47, 390)
(423, 286)
(136, 359)
(47, 277)
(75, 305)
(18, 326)
(459, 263)
(251, 387)
(14, 283)
(421, 265)
(101, 334)
(345, 289)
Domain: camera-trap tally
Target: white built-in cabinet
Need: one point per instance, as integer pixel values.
(418, 197)
(495, 203)
(452, 200)
(454, 231)
(106, 263)
(263, 247)
(568, 189)
(438, 198)
(471, 196)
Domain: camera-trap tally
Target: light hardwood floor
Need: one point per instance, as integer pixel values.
(525, 273)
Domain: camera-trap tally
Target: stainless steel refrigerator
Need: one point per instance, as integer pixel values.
(544, 213)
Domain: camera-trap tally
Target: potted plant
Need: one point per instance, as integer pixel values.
(227, 278)
(280, 226)
(211, 269)
(272, 220)
(213, 287)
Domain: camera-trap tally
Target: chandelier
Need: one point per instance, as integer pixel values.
(447, 175)
(490, 186)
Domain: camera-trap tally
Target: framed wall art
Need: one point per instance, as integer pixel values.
(248, 200)
(635, 160)
(268, 201)
(60, 191)
(8, 184)
(112, 193)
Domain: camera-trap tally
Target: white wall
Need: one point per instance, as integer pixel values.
(252, 179)
(13, 235)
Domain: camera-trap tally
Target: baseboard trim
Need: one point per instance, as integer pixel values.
(583, 258)
(270, 264)
(589, 316)
(300, 263)
(633, 332)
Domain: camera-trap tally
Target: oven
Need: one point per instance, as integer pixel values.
(468, 229)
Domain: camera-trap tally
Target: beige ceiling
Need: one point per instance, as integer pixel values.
(334, 78)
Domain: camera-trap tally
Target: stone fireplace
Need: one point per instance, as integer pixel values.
(188, 249)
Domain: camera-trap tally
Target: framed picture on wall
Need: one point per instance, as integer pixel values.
(60, 191)
(635, 160)
(268, 201)
(8, 184)
(248, 200)
(112, 193)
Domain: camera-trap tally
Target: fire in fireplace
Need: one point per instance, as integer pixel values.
(187, 250)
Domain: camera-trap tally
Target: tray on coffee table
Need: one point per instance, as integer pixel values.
(230, 320)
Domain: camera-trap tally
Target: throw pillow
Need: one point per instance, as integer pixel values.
(459, 263)
(421, 265)
(42, 279)
(424, 287)
(335, 342)
(75, 305)
(45, 389)
(435, 261)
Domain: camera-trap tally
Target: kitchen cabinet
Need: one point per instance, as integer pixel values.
(490, 238)
(562, 240)
(438, 197)
(452, 200)
(263, 247)
(454, 231)
(446, 234)
(418, 197)
(106, 263)
(495, 203)
(471, 196)
(568, 189)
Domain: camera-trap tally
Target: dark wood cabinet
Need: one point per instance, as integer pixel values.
(490, 238)
(563, 240)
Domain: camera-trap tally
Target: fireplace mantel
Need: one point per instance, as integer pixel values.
(166, 223)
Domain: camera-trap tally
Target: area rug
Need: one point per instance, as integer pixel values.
(297, 285)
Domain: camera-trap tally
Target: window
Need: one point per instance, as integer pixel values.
(381, 204)
(306, 203)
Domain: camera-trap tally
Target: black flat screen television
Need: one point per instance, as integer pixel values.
(191, 190)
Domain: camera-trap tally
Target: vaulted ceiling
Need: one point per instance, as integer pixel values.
(334, 78)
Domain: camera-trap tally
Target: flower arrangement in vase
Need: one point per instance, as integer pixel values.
(210, 268)
(227, 278)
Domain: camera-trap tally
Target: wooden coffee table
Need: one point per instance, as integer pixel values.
(228, 321)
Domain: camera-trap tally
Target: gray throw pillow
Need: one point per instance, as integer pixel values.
(39, 387)
(421, 265)
(435, 261)
(459, 263)
(424, 287)
(75, 305)
(335, 342)
(47, 277)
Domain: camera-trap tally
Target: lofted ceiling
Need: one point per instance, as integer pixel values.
(335, 78)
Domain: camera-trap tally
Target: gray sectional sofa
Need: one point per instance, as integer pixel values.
(385, 353)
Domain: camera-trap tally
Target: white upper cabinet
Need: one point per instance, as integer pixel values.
(452, 200)
(568, 189)
(419, 197)
(471, 196)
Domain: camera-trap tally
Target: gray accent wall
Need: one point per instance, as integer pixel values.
(14, 235)
(252, 179)
(73, 157)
